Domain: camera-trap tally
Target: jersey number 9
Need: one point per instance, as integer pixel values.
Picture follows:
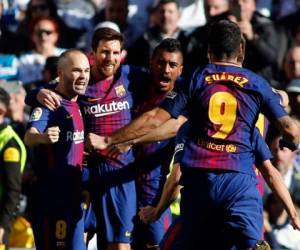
(222, 112)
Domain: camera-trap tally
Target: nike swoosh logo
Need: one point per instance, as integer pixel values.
(105, 114)
(127, 234)
(77, 142)
(69, 116)
(93, 99)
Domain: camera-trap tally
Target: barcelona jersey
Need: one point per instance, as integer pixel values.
(156, 155)
(153, 159)
(223, 105)
(57, 191)
(68, 151)
(106, 106)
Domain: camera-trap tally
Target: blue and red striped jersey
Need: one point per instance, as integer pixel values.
(154, 158)
(223, 106)
(107, 106)
(68, 151)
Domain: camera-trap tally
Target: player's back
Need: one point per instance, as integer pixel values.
(225, 103)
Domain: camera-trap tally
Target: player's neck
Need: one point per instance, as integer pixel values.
(65, 94)
(227, 63)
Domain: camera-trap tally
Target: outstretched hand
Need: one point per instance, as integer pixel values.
(148, 214)
(120, 148)
(96, 142)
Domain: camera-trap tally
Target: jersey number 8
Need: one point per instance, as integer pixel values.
(61, 229)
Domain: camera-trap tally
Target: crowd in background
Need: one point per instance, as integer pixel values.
(33, 33)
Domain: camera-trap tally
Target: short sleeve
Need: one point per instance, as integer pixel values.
(39, 119)
(260, 148)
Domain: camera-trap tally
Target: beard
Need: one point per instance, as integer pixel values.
(107, 70)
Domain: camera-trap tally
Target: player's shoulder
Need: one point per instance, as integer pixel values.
(254, 77)
(200, 70)
(180, 81)
(37, 113)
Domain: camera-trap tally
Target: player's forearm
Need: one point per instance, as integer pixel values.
(33, 137)
(139, 127)
(31, 97)
(165, 131)
(170, 191)
(274, 180)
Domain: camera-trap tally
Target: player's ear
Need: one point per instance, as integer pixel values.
(180, 68)
(209, 54)
(3, 110)
(242, 48)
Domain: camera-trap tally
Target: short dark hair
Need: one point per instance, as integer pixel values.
(163, 2)
(106, 34)
(224, 39)
(169, 45)
(4, 97)
(51, 65)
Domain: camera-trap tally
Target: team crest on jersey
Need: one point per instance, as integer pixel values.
(171, 94)
(36, 114)
(120, 90)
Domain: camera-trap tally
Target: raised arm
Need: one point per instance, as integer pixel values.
(166, 131)
(45, 96)
(276, 184)
(136, 129)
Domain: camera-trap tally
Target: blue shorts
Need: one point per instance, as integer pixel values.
(220, 207)
(57, 224)
(89, 215)
(114, 202)
(58, 231)
(146, 235)
(57, 216)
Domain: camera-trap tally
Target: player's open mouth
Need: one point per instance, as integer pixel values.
(81, 85)
(108, 67)
(164, 80)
